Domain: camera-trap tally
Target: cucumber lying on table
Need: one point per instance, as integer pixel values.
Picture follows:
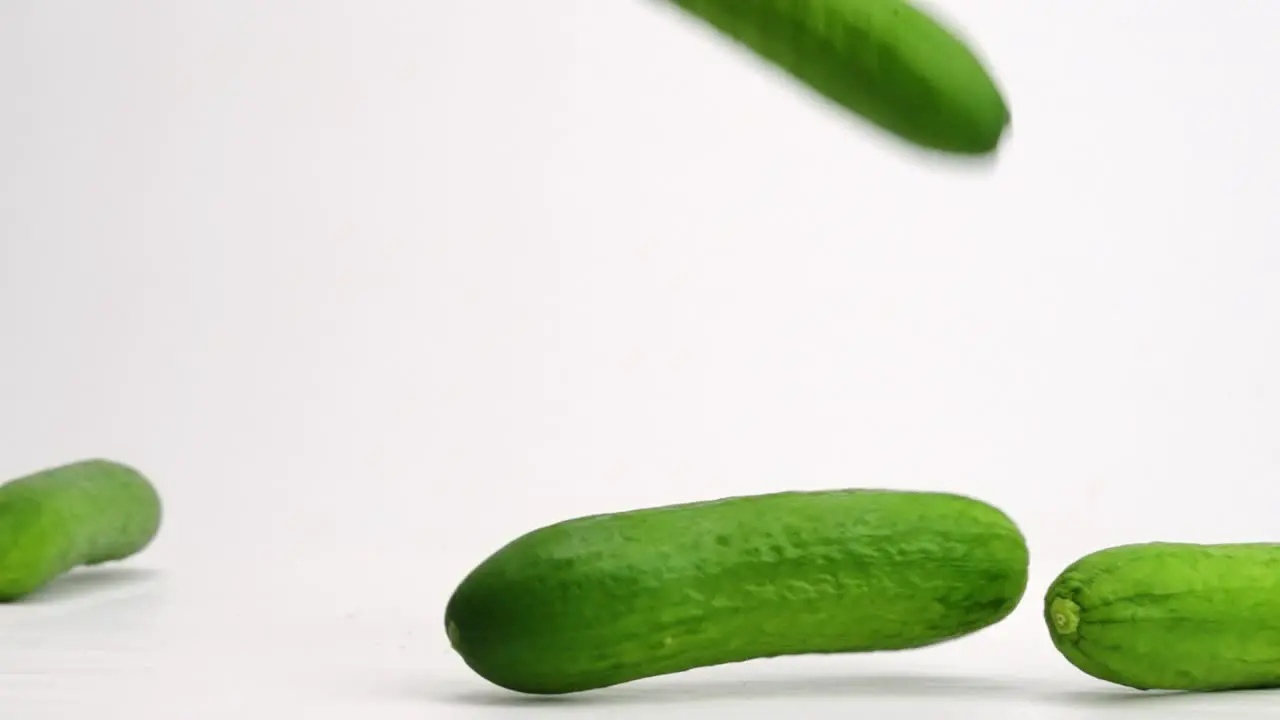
(83, 513)
(1171, 616)
(607, 599)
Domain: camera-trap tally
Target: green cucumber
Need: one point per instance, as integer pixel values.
(84, 513)
(607, 599)
(1171, 616)
(887, 61)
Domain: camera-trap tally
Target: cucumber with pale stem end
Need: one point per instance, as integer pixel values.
(607, 599)
(888, 61)
(1171, 616)
(85, 513)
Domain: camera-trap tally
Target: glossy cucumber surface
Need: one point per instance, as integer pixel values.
(84, 513)
(602, 600)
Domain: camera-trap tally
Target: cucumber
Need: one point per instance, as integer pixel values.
(607, 599)
(84, 513)
(1171, 616)
(887, 61)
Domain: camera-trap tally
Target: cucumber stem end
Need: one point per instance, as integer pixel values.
(1065, 615)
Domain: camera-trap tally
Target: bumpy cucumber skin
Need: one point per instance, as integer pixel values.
(1171, 616)
(608, 599)
(885, 60)
(85, 513)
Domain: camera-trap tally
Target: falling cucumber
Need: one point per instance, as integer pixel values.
(1171, 616)
(888, 61)
(607, 599)
(85, 513)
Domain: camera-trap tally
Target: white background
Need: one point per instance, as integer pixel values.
(370, 288)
